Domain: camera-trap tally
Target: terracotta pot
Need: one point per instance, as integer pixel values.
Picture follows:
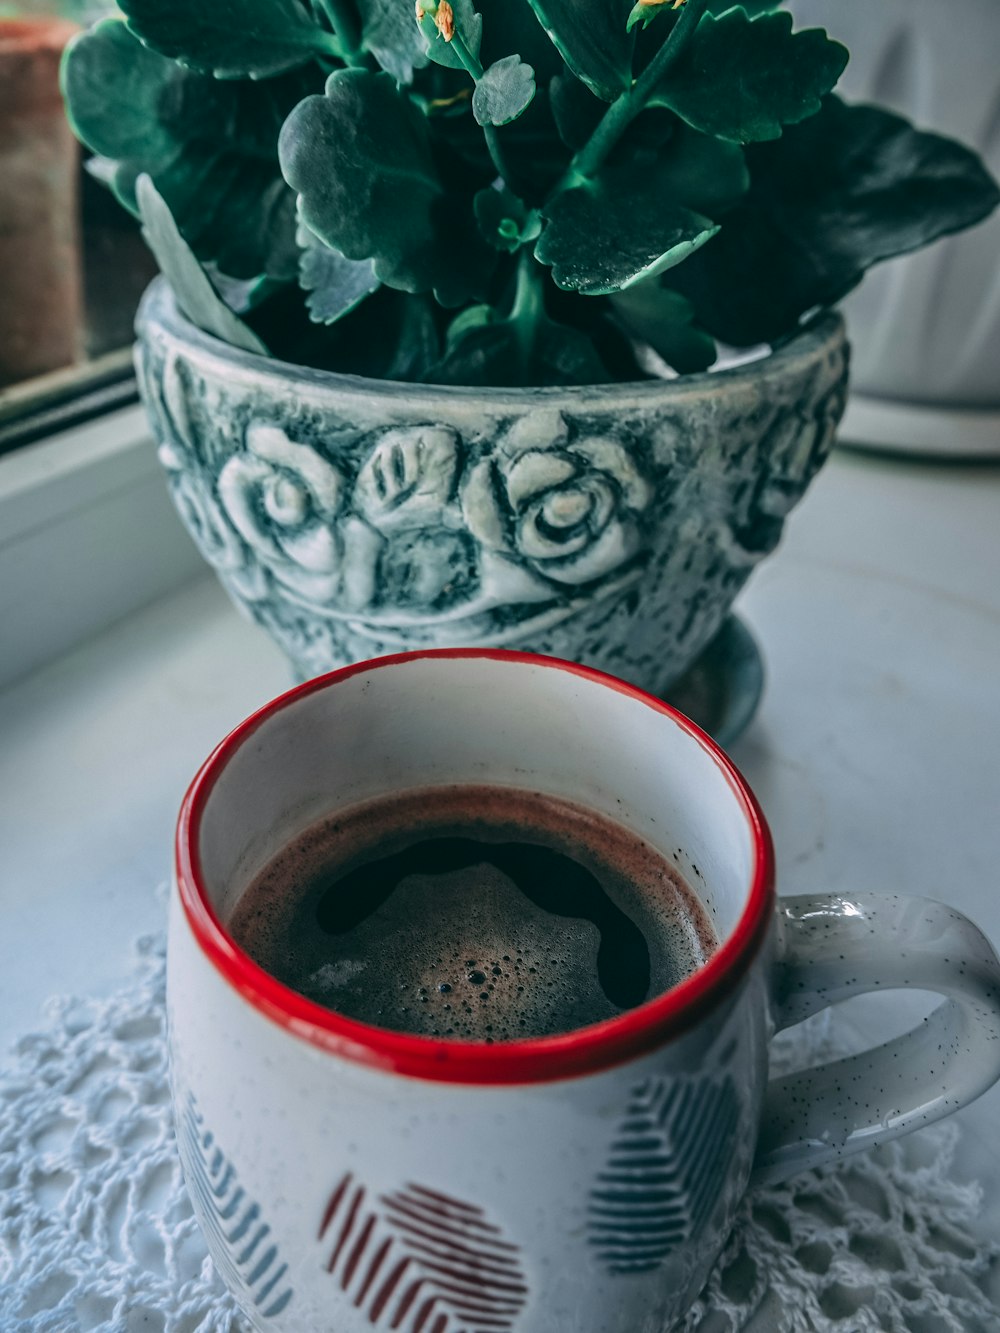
(40, 278)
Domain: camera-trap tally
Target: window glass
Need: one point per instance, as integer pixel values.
(72, 262)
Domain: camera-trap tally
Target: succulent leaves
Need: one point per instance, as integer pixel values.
(390, 34)
(360, 159)
(210, 146)
(706, 174)
(664, 321)
(505, 222)
(195, 294)
(636, 220)
(346, 171)
(596, 46)
(243, 39)
(743, 79)
(504, 92)
(486, 348)
(844, 189)
(645, 12)
(335, 285)
(576, 112)
(598, 242)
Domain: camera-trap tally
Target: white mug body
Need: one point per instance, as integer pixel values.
(458, 1207)
(350, 1178)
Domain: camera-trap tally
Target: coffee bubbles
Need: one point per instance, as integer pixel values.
(473, 913)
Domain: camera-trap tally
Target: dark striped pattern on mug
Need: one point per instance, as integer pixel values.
(664, 1173)
(239, 1240)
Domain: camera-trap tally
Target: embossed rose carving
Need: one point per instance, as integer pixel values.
(409, 478)
(288, 503)
(406, 489)
(210, 530)
(567, 508)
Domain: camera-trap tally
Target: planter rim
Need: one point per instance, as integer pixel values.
(824, 334)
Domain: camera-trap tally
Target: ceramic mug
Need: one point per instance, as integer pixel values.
(349, 1178)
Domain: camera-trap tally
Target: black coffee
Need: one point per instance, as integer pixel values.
(482, 913)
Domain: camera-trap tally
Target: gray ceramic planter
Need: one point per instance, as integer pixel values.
(612, 525)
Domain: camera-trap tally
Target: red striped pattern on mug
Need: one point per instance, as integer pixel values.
(420, 1261)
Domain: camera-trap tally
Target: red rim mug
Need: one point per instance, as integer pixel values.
(584, 1181)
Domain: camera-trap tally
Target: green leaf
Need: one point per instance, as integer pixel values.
(232, 40)
(751, 7)
(647, 11)
(468, 26)
(594, 44)
(390, 34)
(665, 320)
(195, 294)
(575, 109)
(210, 147)
(598, 240)
(391, 335)
(509, 27)
(708, 175)
(505, 222)
(335, 284)
(743, 79)
(243, 295)
(485, 349)
(504, 92)
(848, 187)
(417, 344)
(360, 159)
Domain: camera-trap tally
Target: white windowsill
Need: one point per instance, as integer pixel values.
(87, 535)
(874, 752)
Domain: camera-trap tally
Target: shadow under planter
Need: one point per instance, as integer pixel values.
(611, 525)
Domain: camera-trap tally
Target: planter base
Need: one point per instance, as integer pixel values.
(722, 689)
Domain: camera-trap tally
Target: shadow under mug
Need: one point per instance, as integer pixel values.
(348, 1177)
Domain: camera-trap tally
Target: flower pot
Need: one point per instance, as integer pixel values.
(611, 525)
(41, 321)
(925, 328)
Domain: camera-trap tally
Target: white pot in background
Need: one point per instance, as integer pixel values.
(925, 328)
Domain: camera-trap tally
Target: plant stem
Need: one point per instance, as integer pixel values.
(496, 152)
(588, 160)
(344, 22)
(474, 67)
(469, 61)
(529, 305)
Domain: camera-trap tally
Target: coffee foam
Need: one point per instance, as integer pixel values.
(466, 955)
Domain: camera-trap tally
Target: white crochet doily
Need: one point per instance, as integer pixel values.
(96, 1231)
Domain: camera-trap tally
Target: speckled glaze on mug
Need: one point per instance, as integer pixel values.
(352, 1178)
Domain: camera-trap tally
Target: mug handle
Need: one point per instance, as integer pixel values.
(831, 947)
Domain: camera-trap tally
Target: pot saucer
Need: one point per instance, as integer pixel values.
(721, 690)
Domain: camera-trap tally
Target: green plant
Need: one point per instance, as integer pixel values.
(504, 191)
